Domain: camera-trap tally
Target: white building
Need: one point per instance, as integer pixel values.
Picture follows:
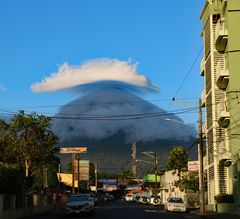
(167, 187)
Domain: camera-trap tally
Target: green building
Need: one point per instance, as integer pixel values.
(220, 67)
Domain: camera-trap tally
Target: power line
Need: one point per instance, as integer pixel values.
(93, 104)
(186, 76)
(189, 71)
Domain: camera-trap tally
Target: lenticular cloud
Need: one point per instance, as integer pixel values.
(106, 87)
(91, 72)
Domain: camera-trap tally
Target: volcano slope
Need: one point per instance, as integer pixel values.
(108, 120)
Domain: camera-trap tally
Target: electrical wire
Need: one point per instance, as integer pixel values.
(186, 76)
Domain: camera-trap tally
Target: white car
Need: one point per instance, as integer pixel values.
(155, 200)
(129, 198)
(144, 200)
(175, 204)
(79, 204)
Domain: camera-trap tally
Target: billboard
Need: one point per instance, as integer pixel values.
(83, 169)
(193, 166)
(65, 178)
(76, 150)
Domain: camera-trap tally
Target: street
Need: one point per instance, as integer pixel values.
(126, 210)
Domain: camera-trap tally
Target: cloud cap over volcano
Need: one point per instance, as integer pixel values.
(103, 113)
(91, 72)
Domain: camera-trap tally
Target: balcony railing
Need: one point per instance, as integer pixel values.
(203, 98)
(222, 75)
(221, 36)
(223, 151)
(202, 67)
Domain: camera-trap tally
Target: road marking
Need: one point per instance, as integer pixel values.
(150, 211)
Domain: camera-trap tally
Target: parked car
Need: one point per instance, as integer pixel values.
(175, 204)
(144, 200)
(108, 197)
(79, 204)
(94, 198)
(136, 198)
(155, 200)
(129, 198)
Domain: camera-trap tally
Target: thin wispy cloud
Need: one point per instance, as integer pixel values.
(91, 72)
(2, 88)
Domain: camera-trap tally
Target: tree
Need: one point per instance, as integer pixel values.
(33, 144)
(6, 154)
(10, 182)
(177, 160)
(189, 181)
(125, 176)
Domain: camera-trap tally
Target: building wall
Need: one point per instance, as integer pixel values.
(232, 16)
(168, 188)
(222, 142)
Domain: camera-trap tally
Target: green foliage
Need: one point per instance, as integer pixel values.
(224, 198)
(190, 181)
(69, 168)
(103, 175)
(29, 142)
(6, 153)
(177, 160)
(11, 179)
(91, 174)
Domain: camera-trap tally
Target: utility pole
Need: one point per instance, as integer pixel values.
(78, 173)
(155, 163)
(201, 169)
(73, 178)
(155, 168)
(96, 176)
(134, 160)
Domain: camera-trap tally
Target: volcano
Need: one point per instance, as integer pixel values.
(109, 120)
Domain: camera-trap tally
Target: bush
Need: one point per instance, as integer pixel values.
(224, 198)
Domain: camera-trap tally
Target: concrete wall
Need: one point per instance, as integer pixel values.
(18, 206)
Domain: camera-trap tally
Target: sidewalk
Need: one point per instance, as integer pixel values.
(213, 214)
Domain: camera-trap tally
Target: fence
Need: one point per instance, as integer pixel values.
(19, 206)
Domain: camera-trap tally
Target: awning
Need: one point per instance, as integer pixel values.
(151, 178)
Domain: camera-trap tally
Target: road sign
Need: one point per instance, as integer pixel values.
(83, 169)
(76, 150)
(193, 166)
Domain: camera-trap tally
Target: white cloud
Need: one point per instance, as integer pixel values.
(2, 88)
(92, 71)
(122, 103)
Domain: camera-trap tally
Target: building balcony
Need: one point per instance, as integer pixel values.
(224, 155)
(224, 119)
(203, 98)
(204, 130)
(222, 78)
(221, 36)
(202, 67)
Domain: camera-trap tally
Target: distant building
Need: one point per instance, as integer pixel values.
(168, 187)
(220, 67)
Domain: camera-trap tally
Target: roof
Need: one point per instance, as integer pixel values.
(151, 178)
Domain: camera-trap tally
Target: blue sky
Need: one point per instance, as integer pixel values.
(37, 37)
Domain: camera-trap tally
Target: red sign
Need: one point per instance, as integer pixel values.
(78, 150)
(193, 166)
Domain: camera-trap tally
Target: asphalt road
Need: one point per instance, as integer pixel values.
(127, 210)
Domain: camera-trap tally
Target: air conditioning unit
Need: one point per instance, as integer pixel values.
(221, 36)
(224, 119)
